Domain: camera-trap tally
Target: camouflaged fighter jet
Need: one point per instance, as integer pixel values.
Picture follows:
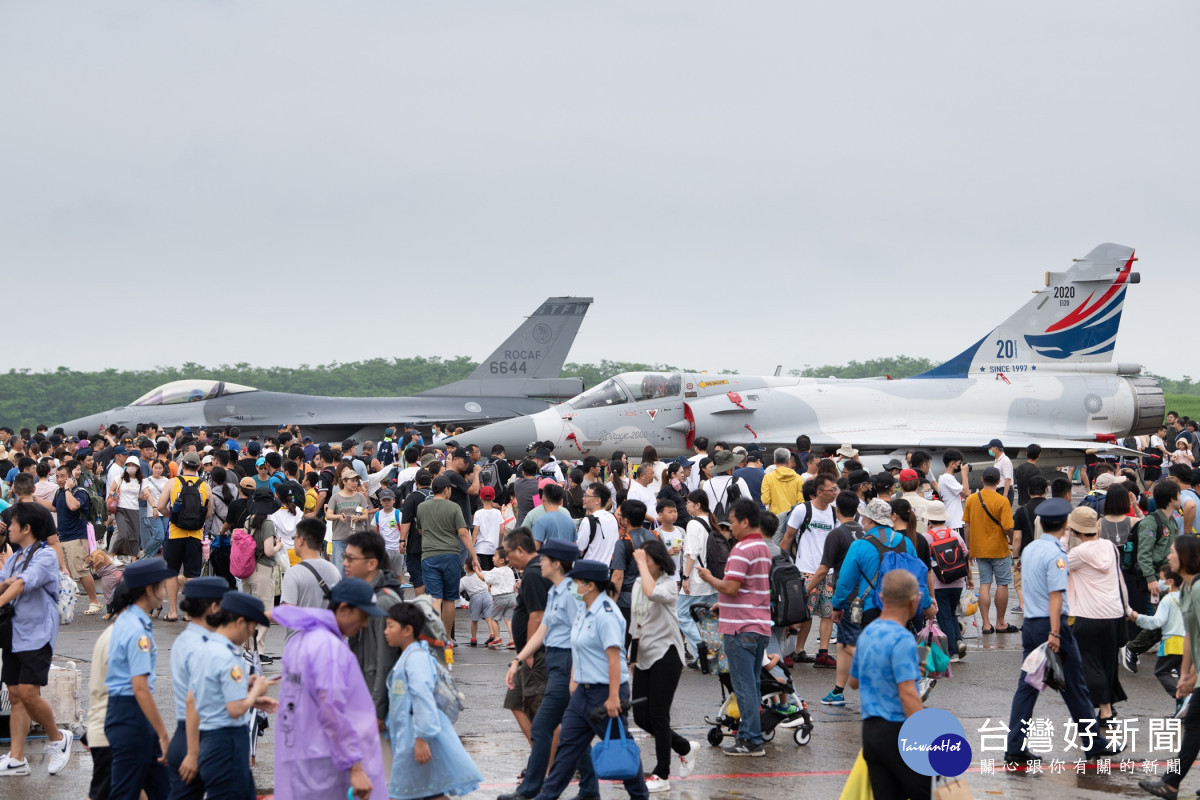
(1043, 376)
(520, 377)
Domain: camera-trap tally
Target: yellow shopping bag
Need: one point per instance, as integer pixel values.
(858, 785)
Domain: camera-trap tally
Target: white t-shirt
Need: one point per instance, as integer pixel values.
(693, 481)
(695, 544)
(950, 491)
(717, 489)
(129, 493)
(656, 484)
(388, 526)
(670, 539)
(650, 498)
(1004, 464)
(472, 585)
(500, 580)
(812, 543)
(407, 474)
(605, 541)
(488, 520)
(285, 525)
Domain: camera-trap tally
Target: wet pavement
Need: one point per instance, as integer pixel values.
(981, 688)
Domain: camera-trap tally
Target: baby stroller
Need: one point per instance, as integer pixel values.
(792, 713)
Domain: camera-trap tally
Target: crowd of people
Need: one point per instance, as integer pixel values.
(590, 570)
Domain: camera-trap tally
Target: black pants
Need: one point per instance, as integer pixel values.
(219, 558)
(1166, 669)
(176, 752)
(890, 777)
(487, 562)
(101, 773)
(657, 684)
(1190, 747)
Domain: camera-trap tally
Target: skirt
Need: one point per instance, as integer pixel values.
(128, 541)
(1099, 640)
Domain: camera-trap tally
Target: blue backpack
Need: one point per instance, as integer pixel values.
(891, 558)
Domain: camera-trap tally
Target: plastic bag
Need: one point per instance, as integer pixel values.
(1054, 676)
(937, 662)
(616, 759)
(858, 784)
(1034, 667)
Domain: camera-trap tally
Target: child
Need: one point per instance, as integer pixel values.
(1170, 619)
(671, 536)
(387, 522)
(479, 600)
(502, 583)
(487, 522)
(1183, 452)
(439, 765)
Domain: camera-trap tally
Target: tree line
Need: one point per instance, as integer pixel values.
(28, 397)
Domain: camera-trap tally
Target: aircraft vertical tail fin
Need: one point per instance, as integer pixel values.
(529, 361)
(1072, 320)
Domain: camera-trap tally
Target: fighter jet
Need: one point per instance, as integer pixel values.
(520, 377)
(1044, 376)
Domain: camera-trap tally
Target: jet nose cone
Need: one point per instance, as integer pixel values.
(514, 434)
(91, 424)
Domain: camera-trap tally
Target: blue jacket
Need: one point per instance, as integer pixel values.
(862, 563)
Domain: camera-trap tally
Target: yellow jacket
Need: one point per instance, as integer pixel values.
(781, 489)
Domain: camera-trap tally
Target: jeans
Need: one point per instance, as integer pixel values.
(339, 553)
(575, 739)
(546, 721)
(947, 616)
(744, 651)
(657, 684)
(687, 625)
(1034, 633)
(153, 533)
(890, 776)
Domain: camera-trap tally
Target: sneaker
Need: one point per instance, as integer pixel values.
(1159, 788)
(801, 657)
(789, 661)
(1018, 610)
(825, 661)
(925, 687)
(656, 784)
(744, 749)
(1129, 659)
(954, 659)
(687, 763)
(60, 752)
(1183, 707)
(474, 643)
(10, 767)
(834, 699)
(962, 649)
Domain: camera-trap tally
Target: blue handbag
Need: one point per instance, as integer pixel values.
(616, 759)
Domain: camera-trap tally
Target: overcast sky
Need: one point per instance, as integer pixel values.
(738, 186)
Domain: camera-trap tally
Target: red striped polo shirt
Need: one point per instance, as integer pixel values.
(749, 609)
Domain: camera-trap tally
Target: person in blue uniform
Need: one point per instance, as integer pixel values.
(1044, 572)
(201, 597)
(223, 697)
(132, 722)
(557, 557)
(600, 677)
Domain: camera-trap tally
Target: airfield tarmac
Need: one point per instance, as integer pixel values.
(981, 688)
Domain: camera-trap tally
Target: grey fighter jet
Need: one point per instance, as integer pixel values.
(1043, 376)
(520, 377)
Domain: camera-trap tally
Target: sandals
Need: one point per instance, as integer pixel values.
(1009, 629)
(94, 608)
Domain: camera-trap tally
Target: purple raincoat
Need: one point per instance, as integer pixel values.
(326, 719)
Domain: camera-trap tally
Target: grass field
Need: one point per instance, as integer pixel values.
(1188, 405)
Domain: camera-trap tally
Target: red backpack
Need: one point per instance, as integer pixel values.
(950, 561)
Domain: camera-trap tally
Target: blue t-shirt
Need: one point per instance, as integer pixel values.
(72, 525)
(554, 525)
(886, 656)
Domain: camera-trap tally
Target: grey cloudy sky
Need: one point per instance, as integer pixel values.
(901, 174)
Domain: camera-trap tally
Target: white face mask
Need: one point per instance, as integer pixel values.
(929, 495)
(1163, 586)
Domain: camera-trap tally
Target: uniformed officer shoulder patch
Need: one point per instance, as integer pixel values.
(608, 608)
(236, 673)
(1060, 564)
(143, 644)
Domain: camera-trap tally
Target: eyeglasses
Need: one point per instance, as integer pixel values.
(828, 489)
(353, 558)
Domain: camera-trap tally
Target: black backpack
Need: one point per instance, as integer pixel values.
(190, 508)
(789, 595)
(489, 475)
(386, 452)
(716, 552)
(297, 493)
(731, 495)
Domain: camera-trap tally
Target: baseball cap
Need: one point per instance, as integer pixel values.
(120, 450)
(388, 494)
(991, 474)
(487, 493)
(994, 443)
(909, 475)
(348, 443)
(206, 460)
(440, 484)
(253, 448)
(1108, 479)
(191, 460)
(858, 477)
(248, 484)
(356, 592)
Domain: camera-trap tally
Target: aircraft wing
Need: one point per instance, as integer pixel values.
(931, 440)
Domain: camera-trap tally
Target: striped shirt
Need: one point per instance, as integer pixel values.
(749, 609)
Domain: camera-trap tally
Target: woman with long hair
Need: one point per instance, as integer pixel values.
(154, 523)
(286, 519)
(128, 489)
(693, 591)
(261, 583)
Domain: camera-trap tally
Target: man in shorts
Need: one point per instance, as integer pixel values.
(987, 530)
(71, 508)
(183, 546)
(443, 528)
(529, 684)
